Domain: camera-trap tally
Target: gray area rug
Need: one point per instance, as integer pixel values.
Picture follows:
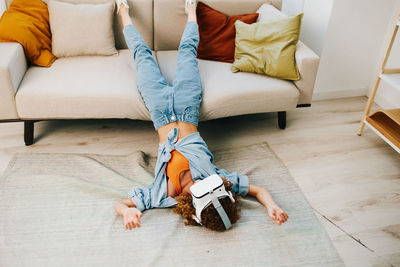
(57, 210)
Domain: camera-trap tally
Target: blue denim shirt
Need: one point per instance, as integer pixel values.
(201, 166)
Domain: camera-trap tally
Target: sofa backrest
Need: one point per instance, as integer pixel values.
(141, 12)
(170, 17)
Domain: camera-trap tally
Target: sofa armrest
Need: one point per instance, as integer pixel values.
(307, 62)
(13, 66)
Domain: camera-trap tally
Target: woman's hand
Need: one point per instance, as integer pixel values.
(132, 218)
(276, 214)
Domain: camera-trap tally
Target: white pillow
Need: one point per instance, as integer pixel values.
(81, 29)
(268, 12)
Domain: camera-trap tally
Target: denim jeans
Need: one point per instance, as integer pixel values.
(168, 103)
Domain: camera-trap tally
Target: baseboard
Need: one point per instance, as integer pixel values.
(323, 95)
(384, 102)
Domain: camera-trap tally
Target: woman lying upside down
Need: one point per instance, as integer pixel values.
(185, 175)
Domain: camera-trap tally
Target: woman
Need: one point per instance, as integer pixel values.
(183, 157)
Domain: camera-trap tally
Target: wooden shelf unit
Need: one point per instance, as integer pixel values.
(385, 123)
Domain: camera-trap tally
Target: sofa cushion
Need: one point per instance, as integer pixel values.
(168, 29)
(217, 33)
(75, 34)
(268, 12)
(27, 22)
(82, 87)
(268, 47)
(229, 94)
(141, 13)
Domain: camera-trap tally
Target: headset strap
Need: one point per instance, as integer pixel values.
(221, 212)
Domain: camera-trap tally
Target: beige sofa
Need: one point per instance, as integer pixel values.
(105, 87)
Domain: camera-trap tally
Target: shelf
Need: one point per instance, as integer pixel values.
(392, 79)
(386, 124)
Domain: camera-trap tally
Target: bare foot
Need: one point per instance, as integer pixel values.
(277, 215)
(124, 15)
(192, 12)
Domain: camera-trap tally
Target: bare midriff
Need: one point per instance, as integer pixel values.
(183, 127)
(185, 176)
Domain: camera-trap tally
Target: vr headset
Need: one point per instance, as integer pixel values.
(208, 191)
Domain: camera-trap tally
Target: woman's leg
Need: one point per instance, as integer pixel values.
(187, 81)
(150, 81)
(192, 13)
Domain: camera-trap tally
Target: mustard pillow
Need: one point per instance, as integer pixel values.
(268, 47)
(27, 22)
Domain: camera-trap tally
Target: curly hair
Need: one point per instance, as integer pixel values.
(209, 217)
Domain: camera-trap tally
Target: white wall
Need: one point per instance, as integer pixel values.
(315, 21)
(388, 97)
(292, 7)
(352, 46)
(317, 14)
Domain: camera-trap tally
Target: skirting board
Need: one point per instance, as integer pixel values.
(332, 94)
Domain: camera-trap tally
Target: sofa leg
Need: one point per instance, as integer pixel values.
(28, 132)
(282, 119)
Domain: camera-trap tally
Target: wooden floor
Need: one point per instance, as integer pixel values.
(352, 182)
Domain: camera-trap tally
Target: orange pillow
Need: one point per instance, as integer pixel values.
(217, 33)
(27, 22)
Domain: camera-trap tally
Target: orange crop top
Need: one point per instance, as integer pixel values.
(177, 164)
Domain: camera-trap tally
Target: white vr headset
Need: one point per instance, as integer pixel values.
(208, 191)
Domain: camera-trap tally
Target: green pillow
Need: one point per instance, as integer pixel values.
(268, 47)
